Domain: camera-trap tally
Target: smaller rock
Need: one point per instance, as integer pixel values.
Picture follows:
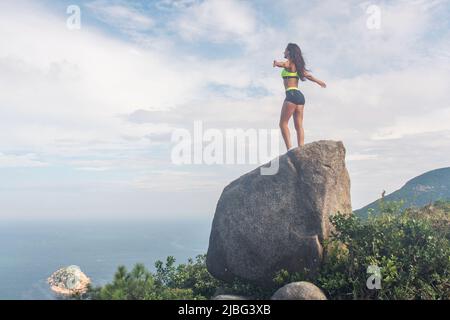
(229, 297)
(219, 291)
(299, 291)
(69, 281)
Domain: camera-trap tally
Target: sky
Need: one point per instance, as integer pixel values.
(87, 114)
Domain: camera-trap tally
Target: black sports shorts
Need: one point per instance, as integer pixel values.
(295, 96)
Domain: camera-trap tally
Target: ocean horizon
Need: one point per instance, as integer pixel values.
(31, 251)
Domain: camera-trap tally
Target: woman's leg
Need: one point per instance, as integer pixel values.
(298, 121)
(286, 113)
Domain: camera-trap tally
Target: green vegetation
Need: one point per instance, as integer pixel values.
(185, 281)
(412, 248)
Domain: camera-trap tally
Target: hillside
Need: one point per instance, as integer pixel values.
(428, 187)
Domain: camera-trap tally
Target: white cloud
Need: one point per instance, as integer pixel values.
(434, 121)
(360, 157)
(217, 21)
(74, 86)
(65, 96)
(175, 4)
(29, 160)
(93, 165)
(335, 35)
(121, 16)
(65, 99)
(176, 181)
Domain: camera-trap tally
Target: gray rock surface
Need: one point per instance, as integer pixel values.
(264, 223)
(69, 281)
(229, 297)
(299, 291)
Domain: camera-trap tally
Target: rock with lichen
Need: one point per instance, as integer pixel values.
(69, 281)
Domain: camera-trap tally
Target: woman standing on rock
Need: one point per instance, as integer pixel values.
(294, 69)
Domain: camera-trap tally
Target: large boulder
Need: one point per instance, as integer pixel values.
(299, 291)
(264, 223)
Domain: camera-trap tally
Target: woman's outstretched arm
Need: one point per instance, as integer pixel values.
(310, 77)
(281, 64)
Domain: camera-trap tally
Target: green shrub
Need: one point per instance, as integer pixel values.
(169, 282)
(411, 248)
(140, 284)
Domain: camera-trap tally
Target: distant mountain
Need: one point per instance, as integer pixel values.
(428, 187)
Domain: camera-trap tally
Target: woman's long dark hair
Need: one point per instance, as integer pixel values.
(296, 56)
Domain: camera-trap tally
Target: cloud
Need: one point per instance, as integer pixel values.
(65, 100)
(216, 21)
(66, 97)
(29, 160)
(360, 157)
(335, 36)
(175, 4)
(106, 107)
(93, 165)
(435, 121)
(170, 181)
(121, 15)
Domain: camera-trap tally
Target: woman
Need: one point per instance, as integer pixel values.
(294, 69)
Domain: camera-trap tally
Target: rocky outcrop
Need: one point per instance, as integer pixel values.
(69, 281)
(264, 223)
(299, 291)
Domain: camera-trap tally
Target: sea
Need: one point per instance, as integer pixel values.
(31, 251)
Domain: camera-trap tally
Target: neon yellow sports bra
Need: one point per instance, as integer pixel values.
(286, 74)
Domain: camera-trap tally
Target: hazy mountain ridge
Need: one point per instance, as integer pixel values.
(428, 187)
